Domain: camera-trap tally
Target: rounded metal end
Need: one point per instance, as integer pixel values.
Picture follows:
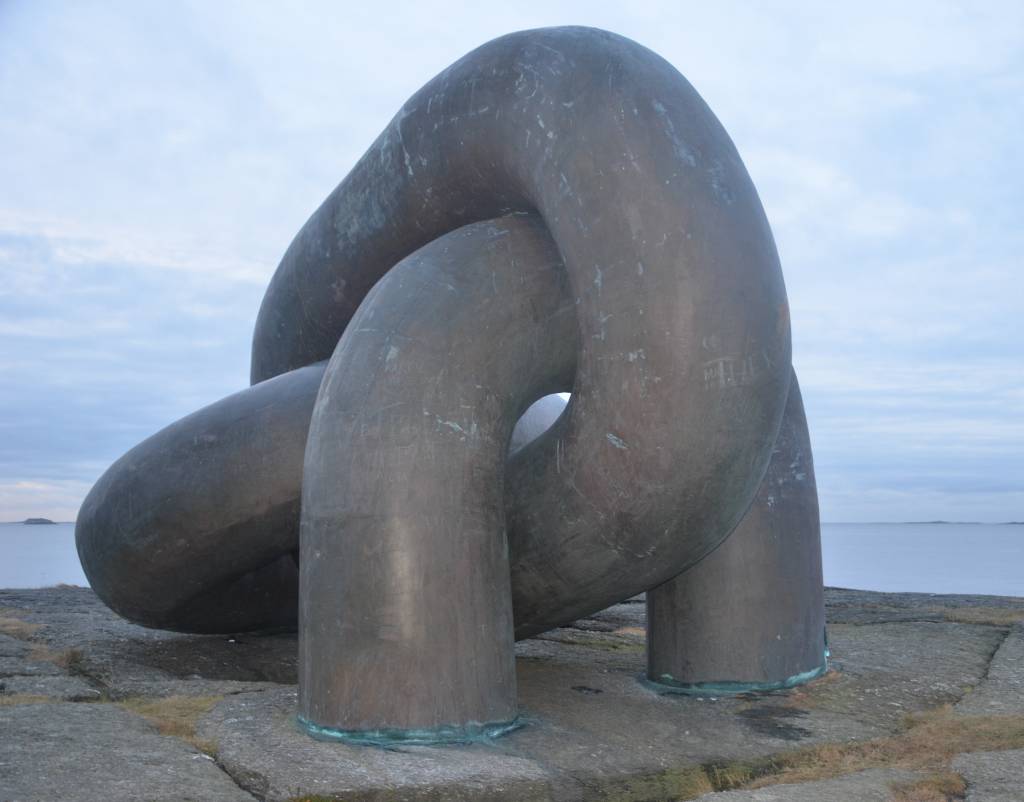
(470, 733)
(666, 684)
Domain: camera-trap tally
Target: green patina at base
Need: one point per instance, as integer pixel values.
(666, 684)
(435, 736)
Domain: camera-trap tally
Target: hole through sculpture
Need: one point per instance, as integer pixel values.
(557, 211)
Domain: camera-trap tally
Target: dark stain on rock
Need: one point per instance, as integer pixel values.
(255, 659)
(775, 722)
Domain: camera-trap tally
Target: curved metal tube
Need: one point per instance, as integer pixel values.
(194, 528)
(751, 615)
(405, 617)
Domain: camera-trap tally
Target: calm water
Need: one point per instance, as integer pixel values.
(36, 556)
(927, 558)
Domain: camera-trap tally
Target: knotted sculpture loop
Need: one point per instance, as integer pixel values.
(558, 211)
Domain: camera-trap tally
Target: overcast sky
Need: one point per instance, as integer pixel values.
(157, 158)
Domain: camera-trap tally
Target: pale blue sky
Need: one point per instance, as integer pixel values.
(158, 158)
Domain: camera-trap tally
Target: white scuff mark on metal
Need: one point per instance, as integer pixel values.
(729, 371)
(565, 186)
(618, 442)
(719, 186)
(682, 150)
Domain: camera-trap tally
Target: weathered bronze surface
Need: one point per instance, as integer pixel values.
(750, 615)
(557, 211)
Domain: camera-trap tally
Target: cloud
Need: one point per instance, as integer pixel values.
(162, 158)
(22, 499)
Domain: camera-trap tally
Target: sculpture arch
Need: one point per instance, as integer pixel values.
(558, 210)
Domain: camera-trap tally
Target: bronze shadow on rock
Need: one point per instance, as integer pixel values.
(775, 722)
(240, 658)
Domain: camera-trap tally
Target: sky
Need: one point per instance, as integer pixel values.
(157, 159)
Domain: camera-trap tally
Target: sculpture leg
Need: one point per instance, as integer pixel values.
(750, 615)
(405, 612)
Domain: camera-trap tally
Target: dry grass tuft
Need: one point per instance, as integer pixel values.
(68, 659)
(929, 742)
(685, 783)
(176, 716)
(993, 616)
(606, 643)
(947, 786)
(16, 628)
(12, 699)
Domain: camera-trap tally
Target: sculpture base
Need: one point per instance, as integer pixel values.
(435, 736)
(667, 684)
(592, 730)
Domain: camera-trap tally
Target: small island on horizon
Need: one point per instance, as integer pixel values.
(37, 521)
(963, 523)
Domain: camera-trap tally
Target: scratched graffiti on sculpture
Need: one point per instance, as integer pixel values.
(556, 212)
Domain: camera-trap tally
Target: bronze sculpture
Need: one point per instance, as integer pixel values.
(557, 211)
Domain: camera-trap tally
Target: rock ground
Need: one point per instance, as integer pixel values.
(872, 785)
(1002, 691)
(992, 776)
(95, 751)
(592, 730)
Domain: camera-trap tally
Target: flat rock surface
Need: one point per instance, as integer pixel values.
(62, 687)
(1002, 691)
(873, 785)
(259, 744)
(96, 751)
(992, 776)
(591, 729)
(126, 660)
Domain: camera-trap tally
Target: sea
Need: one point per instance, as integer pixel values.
(922, 558)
